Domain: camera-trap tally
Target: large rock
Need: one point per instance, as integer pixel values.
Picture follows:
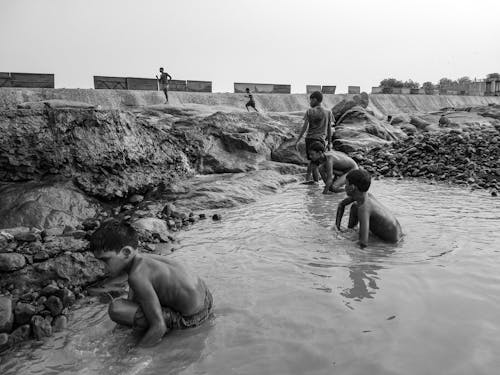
(77, 269)
(41, 327)
(6, 314)
(11, 262)
(357, 129)
(152, 226)
(44, 205)
(110, 153)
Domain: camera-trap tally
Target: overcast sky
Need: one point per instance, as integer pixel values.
(294, 42)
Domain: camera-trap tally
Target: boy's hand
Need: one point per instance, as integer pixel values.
(153, 336)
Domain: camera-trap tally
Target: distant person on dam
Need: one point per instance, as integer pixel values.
(333, 166)
(164, 79)
(371, 215)
(318, 124)
(163, 295)
(251, 101)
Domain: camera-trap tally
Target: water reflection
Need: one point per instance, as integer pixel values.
(363, 264)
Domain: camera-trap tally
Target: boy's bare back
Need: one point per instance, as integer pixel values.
(175, 287)
(382, 222)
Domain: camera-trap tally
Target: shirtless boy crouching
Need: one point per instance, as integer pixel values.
(368, 211)
(162, 295)
(333, 167)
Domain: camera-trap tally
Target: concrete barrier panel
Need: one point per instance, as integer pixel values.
(397, 90)
(4, 79)
(353, 89)
(405, 90)
(282, 89)
(149, 84)
(311, 88)
(328, 89)
(113, 83)
(32, 80)
(262, 88)
(376, 90)
(199, 86)
(177, 85)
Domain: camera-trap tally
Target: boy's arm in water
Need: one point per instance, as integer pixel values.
(150, 304)
(329, 175)
(364, 225)
(340, 210)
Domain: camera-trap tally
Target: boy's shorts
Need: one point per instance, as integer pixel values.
(175, 320)
(251, 103)
(163, 86)
(309, 143)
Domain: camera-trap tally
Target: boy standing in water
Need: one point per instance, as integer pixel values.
(369, 212)
(333, 167)
(251, 101)
(317, 122)
(163, 295)
(164, 79)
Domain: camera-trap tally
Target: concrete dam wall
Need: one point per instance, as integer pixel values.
(381, 104)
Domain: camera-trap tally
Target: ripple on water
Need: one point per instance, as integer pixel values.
(294, 296)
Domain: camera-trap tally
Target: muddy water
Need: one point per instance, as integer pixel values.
(294, 296)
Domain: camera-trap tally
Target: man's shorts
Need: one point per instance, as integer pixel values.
(175, 320)
(309, 143)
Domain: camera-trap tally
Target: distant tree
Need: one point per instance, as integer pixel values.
(446, 83)
(391, 82)
(464, 81)
(411, 84)
(493, 75)
(428, 86)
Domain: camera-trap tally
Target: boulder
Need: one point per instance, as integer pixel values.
(44, 205)
(11, 262)
(4, 341)
(357, 129)
(54, 305)
(152, 226)
(41, 327)
(6, 314)
(23, 312)
(20, 334)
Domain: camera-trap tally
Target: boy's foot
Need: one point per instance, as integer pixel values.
(310, 182)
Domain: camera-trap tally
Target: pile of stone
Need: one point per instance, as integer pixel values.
(35, 314)
(471, 158)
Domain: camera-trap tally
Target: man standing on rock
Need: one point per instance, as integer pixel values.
(163, 80)
(318, 123)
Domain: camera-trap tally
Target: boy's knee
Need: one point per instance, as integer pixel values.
(122, 311)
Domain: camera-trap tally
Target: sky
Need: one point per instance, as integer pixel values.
(316, 42)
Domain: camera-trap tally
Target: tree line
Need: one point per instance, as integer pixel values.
(442, 83)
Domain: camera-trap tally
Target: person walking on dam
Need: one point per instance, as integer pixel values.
(318, 123)
(251, 101)
(163, 81)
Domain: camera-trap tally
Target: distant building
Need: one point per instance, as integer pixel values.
(492, 86)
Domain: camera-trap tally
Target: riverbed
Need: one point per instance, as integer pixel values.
(294, 296)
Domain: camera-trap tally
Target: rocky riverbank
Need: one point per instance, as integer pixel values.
(65, 167)
(461, 147)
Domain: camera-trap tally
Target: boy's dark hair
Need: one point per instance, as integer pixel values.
(359, 178)
(317, 147)
(161, 68)
(247, 89)
(113, 235)
(317, 95)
